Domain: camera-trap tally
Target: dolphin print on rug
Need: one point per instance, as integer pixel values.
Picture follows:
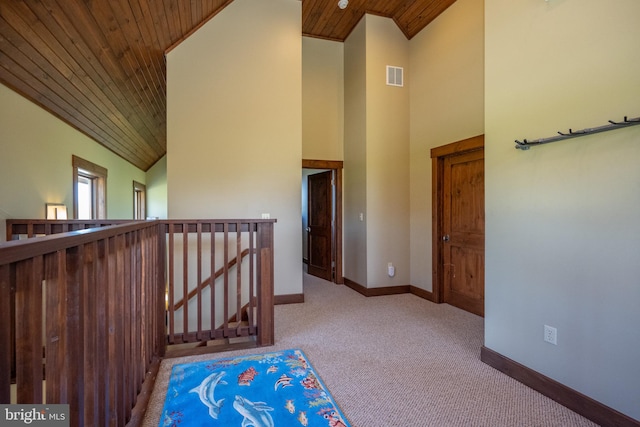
(205, 393)
(278, 389)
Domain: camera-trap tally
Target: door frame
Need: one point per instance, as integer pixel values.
(336, 227)
(438, 155)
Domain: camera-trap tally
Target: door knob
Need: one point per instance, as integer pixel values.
(308, 229)
(445, 238)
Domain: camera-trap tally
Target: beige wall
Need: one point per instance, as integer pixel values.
(157, 189)
(376, 155)
(322, 99)
(447, 105)
(387, 155)
(35, 164)
(355, 152)
(234, 124)
(562, 229)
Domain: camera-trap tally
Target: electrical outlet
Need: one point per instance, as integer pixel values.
(550, 334)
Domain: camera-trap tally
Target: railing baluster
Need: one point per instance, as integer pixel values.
(120, 343)
(185, 278)
(89, 333)
(251, 274)
(143, 323)
(146, 298)
(239, 275)
(139, 313)
(112, 344)
(6, 326)
(212, 280)
(160, 287)
(134, 323)
(29, 330)
(226, 278)
(199, 280)
(74, 327)
(129, 304)
(171, 291)
(102, 361)
(56, 337)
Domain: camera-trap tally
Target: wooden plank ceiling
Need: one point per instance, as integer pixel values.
(324, 19)
(99, 64)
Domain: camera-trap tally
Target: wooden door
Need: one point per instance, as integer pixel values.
(320, 196)
(463, 231)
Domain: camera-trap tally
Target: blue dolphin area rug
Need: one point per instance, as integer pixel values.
(278, 389)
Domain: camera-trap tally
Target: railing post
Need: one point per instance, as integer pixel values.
(264, 246)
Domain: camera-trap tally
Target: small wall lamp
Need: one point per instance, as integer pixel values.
(56, 211)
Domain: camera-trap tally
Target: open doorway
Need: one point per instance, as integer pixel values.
(322, 218)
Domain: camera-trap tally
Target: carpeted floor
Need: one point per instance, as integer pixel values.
(397, 361)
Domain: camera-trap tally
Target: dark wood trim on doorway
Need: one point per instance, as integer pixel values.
(336, 166)
(437, 172)
(568, 397)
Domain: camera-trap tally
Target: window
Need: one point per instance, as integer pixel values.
(139, 200)
(89, 190)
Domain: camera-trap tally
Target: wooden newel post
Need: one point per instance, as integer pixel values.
(265, 279)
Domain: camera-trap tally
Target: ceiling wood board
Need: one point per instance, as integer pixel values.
(99, 65)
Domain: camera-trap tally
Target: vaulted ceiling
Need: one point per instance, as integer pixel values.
(99, 65)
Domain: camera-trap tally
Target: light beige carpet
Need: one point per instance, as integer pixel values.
(396, 361)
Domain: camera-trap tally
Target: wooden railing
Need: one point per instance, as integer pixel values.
(17, 228)
(236, 299)
(94, 302)
(91, 299)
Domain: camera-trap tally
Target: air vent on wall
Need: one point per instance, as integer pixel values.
(394, 76)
